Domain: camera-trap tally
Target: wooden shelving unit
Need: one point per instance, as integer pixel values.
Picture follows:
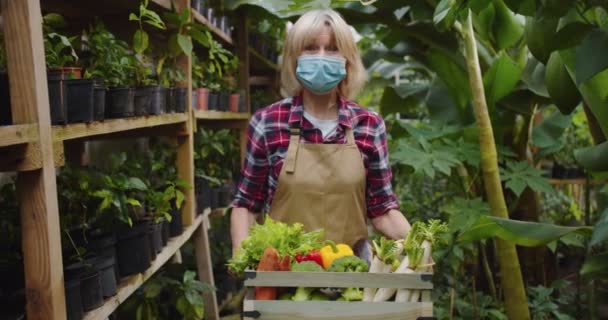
(220, 115)
(128, 285)
(84, 130)
(18, 134)
(34, 148)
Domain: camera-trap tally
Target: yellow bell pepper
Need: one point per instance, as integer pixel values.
(331, 252)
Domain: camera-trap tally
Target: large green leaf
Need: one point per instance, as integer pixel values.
(600, 232)
(501, 78)
(561, 88)
(519, 175)
(596, 266)
(185, 43)
(424, 158)
(140, 41)
(525, 7)
(540, 34)
(593, 158)
(507, 29)
(534, 77)
(453, 75)
(441, 105)
(547, 134)
(591, 57)
(523, 233)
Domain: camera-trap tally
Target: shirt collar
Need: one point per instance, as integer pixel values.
(297, 112)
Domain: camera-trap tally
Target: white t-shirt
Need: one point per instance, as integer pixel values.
(327, 127)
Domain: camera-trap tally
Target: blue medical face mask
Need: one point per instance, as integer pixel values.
(320, 74)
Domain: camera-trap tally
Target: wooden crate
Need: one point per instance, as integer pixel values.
(337, 310)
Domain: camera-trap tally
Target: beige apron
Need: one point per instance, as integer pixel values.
(323, 186)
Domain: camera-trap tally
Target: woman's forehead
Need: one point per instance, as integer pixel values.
(320, 34)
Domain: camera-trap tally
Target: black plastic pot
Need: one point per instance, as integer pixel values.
(133, 249)
(156, 237)
(99, 102)
(119, 102)
(105, 266)
(223, 100)
(176, 227)
(214, 200)
(179, 99)
(73, 303)
(213, 101)
(91, 293)
(170, 102)
(6, 117)
(225, 196)
(57, 99)
(104, 245)
(79, 103)
(158, 100)
(203, 194)
(165, 232)
(142, 100)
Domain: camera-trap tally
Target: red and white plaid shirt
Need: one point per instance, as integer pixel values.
(268, 139)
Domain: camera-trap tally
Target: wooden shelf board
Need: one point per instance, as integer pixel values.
(219, 33)
(221, 115)
(128, 285)
(267, 64)
(83, 130)
(18, 134)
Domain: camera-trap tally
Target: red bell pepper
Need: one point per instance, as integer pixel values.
(314, 256)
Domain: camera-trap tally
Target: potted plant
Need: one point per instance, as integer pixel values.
(111, 64)
(60, 58)
(145, 84)
(232, 68)
(122, 209)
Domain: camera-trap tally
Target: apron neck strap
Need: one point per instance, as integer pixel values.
(292, 150)
(350, 136)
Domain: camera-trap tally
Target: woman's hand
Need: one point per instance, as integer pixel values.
(241, 220)
(392, 224)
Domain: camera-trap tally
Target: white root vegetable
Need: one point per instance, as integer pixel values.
(376, 266)
(384, 294)
(426, 259)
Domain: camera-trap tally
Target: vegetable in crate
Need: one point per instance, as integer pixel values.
(331, 252)
(313, 255)
(288, 240)
(349, 264)
(386, 256)
(304, 293)
(268, 262)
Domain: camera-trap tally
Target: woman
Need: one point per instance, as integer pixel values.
(316, 157)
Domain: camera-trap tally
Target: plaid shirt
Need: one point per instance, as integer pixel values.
(268, 139)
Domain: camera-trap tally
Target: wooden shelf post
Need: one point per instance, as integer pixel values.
(37, 190)
(242, 49)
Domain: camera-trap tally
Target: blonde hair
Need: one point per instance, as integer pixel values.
(304, 32)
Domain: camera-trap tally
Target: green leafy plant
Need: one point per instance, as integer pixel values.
(58, 48)
(549, 302)
(519, 175)
(109, 57)
(141, 42)
(216, 155)
(10, 233)
(120, 194)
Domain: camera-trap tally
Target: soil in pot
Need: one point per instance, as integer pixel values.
(6, 117)
(119, 102)
(176, 227)
(223, 101)
(91, 293)
(105, 266)
(194, 99)
(141, 100)
(202, 98)
(73, 303)
(99, 102)
(233, 102)
(133, 249)
(165, 232)
(158, 100)
(57, 99)
(213, 101)
(179, 99)
(79, 93)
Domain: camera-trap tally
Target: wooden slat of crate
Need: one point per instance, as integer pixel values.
(335, 310)
(338, 279)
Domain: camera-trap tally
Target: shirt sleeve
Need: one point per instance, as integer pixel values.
(379, 191)
(252, 189)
